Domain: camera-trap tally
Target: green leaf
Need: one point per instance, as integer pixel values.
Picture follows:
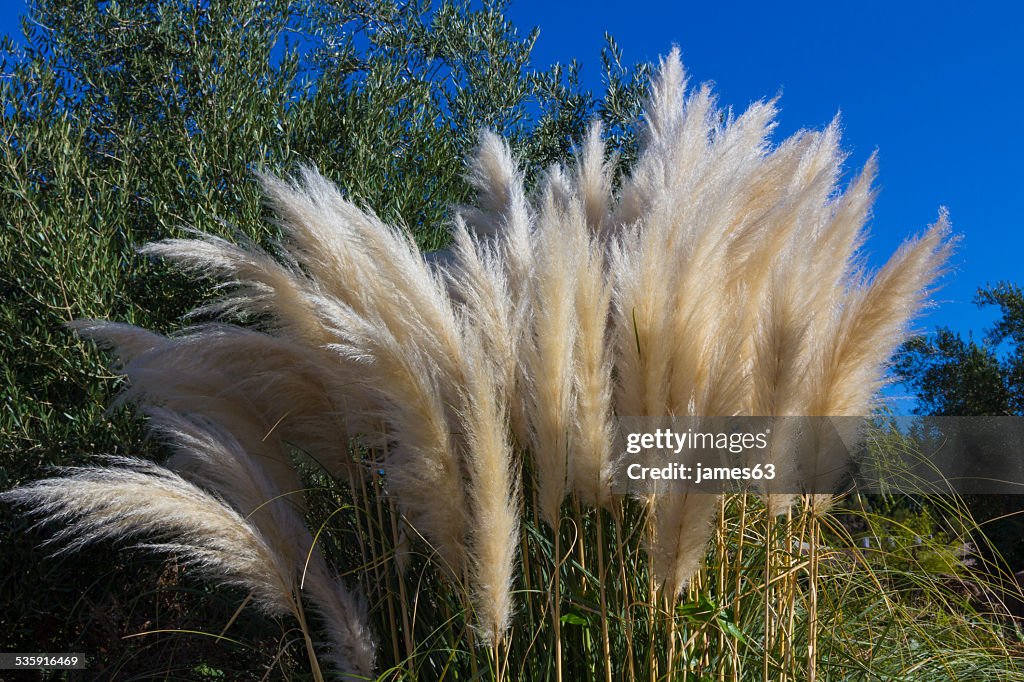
(700, 611)
(574, 619)
(731, 629)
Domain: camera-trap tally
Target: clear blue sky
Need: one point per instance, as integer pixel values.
(936, 87)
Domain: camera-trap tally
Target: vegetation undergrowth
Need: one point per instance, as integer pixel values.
(891, 601)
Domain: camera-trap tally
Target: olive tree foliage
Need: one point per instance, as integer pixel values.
(129, 121)
(954, 376)
(125, 122)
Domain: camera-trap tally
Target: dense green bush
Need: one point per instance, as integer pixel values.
(129, 121)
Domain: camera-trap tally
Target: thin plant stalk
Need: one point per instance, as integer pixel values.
(496, 657)
(626, 600)
(723, 558)
(769, 555)
(605, 643)
(556, 608)
(652, 617)
(812, 609)
(389, 594)
(359, 505)
(800, 539)
(310, 649)
(672, 624)
(402, 593)
(743, 500)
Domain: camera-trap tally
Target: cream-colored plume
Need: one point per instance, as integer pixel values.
(137, 498)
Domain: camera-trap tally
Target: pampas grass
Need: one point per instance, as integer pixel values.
(139, 498)
(455, 412)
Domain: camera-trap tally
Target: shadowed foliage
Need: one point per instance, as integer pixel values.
(127, 122)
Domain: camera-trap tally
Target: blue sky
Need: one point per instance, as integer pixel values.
(934, 86)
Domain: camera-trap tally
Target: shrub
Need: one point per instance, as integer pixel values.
(128, 122)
